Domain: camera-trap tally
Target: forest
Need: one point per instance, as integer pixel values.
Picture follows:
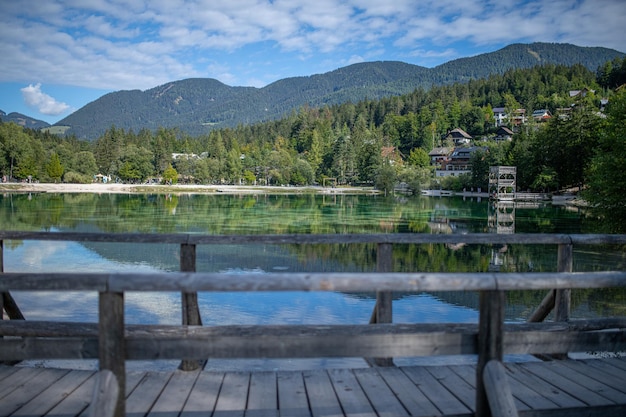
(377, 143)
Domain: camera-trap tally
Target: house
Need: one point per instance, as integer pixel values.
(503, 133)
(439, 156)
(542, 115)
(499, 115)
(184, 156)
(580, 93)
(391, 154)
(519, 117)
(459, 161)
(564, 113)
(458, 137)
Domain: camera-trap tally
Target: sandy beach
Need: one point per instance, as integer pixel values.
(114, 188)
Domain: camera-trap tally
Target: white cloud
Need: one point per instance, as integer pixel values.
(124, 44)
(37, 99)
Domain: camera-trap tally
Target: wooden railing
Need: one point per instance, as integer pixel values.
(113, 342)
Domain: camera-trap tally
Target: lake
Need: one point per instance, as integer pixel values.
(280, 214)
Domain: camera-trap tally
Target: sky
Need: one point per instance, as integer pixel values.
(58, 55)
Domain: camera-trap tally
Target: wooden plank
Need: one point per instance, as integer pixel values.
(263, 395)
(203, 396)
(353, 400)
(468, 373)
(601, 371)
(321, 394)
(501, 402)
(27, 391)
(584, 378)
(6, 371)
(395, 340)
(292, 396)
(436, 393)
(233, 395)
(379, 393)
(414, 400)
(53, 394)
(455, 384)
(553, 393)
(146, 393)
(617, 362)
(299, 342)
(78, 400)
(17, 380)
(174, 395)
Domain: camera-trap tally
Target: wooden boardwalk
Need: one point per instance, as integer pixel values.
(594, 387)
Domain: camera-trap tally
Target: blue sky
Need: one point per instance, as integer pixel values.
(58, 55)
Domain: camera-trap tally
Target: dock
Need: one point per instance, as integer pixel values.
(555, 386)
(568, 387)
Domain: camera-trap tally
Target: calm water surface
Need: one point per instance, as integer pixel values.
(278, 214)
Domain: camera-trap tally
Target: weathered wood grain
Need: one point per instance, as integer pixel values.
(321, 394)
(501, 401)
(233, 395)
(292, 395)
(364, 392)
(280, 281)
(105, 394)
(350, 394)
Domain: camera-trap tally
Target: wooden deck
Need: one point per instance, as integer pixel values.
(594, 387)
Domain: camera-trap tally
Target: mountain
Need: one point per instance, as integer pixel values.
(22, 120)
(199, 105)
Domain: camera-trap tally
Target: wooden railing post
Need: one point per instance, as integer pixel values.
(112, 342)
(490, 342)
(383, 309)
(190, 307)
(565, 263)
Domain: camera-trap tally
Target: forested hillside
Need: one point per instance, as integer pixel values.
(371, 142)
(197, 106)
(22, 120)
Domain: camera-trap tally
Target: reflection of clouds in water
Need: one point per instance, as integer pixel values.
(282, 308)
(216, 308)
(57, 305)
(424, 308)
(50, 256)
(153, 308)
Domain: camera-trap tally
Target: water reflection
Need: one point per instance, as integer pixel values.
(246, 214)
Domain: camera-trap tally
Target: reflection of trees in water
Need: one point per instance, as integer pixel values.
(281, 214)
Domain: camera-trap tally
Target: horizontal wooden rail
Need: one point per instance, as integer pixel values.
(397, 238)
(327, 281)
(309, 341)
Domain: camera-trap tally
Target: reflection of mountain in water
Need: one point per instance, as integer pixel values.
(215, 258)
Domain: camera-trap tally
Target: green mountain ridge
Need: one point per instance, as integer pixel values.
(197, 105)
(22, 120)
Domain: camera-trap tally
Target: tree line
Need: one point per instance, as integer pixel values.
(373, 142)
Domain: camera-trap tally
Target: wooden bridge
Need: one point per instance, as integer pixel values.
(593, 387)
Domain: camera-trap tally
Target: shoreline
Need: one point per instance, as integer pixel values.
(179, 189)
